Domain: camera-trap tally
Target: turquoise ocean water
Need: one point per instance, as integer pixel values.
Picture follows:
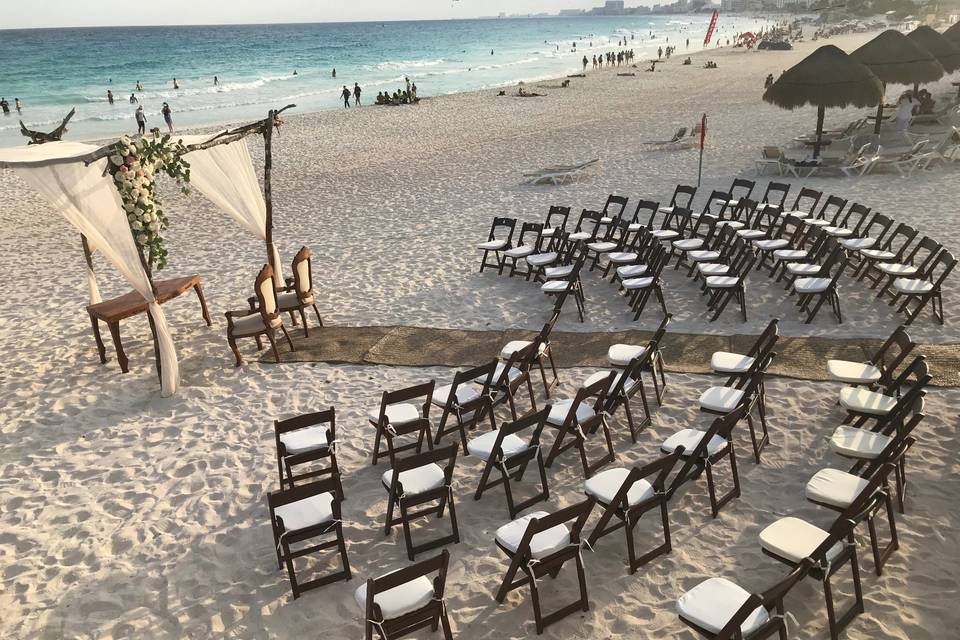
(52, 70)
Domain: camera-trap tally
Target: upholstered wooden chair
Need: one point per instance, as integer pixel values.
(264, 320)
(299, 295)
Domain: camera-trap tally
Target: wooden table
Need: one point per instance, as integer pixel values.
(130, 304)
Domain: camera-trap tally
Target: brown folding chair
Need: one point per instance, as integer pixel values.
(299, 514)
(924, 290)
(397, 417)
(879, 369)
(504, 227)
(744, 390)
(543, 353)
(305, 439)
(577, 420)
(626, 384)
(403, 601)
(620, 355)
(539, 544)
(465, 402)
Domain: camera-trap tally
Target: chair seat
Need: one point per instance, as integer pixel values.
(492, 245)
(606, 220)
(600, 375)
(835, 488)
(416, 481)
(794, 539)
(838, 232)
(689, 439)
(305, 513)
(912, 285)
(688, 245)
(548, 232)
(517, 345)
(541, 259)
(602, 247)
(713, 268)
(861, 400)
(811, 285)
(853, 372)
(637, 283)
(577, 236)
(519, 252)
(665, 234)
(665, 209)
(465, 393)
(512, 375)
(722, 282)
(703, 256)
(555, 286)
(622, 256)
(542, 544)
(857, 244)
(397, 414)
(711, 604)
(897, 269)
(795, 214)
(253, 324)
(633, 227)
(303, 440)
(558, 272)
(878, 254)
(790, 254)
(736, 224)
(605, 485)
(816, 222)
(620, 355)
(290, 300)
(402, 599)
(482, 447)
(771, 245)
(724, 399)
(726, 362)
(751, 234)
(632, 271)
(559, 411)
(803, 268)
(858, 443)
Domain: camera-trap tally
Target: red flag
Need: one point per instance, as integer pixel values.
(703, 130)
(713, 25)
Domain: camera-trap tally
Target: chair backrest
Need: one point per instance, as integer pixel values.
(504, 224)
(903, 233)
(807, 200)
(302, 273)
(695, 459)
(614, 207)
(530, 234)
(422, 392)
(660, 469)
(598, 391)
(776, 193)
(618, 393)
(918, 370)
(703, 227)
(266, 291)
(679, 219)
(575, 516)
(536, 420)
(648, 206)
(484, 375)
(717, 199)
(301, 492)
(437, 564)
(832, 208)
(766, 340)
(744, 185)
(327, 417)
(877, 227)
(941, 268)
(589, 222)
(856, 217)
(772, 153)
(899, 341)
(557, 217)
(445, 457)
(924, 253)
(771, 599)
(744, 211)
(683, 196)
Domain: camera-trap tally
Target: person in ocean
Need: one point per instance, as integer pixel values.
(175, 85)
(19, 106)
(167, 116)
(346, 97)
(141, 120)
(216, 81)
(139, 86)
(133, 98)
(356, 93)
(5, 106)
(408, 83)
(334, 72)
(109, 96)
(413, 92)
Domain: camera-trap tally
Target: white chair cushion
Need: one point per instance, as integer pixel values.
(811, 285)
(605, 485)
(548, 232)
(631, 271)
(541, 259)
(834, 487)
(789, 254)
(416, 481)
(723, 399)
(856, 244)
(306, 513)
(838, 232)
(253, 323)
(559, 411)
(465, 393)
(912, 285)
(303, 440)
(712, 603)
(795, 539)
(795, 214)
(290, 300)
(482, 447)
(664, 234)
(865, 401)
(713, 269)
(492, 245)
(736, 224)
(722, 282)
(751, 234)
(555, 286)
(770, 245)
(622, 256)
(558, 272)
(397, 414)
(803, 268)
(606, 220)
(512, 375)
(703, 256)
(665, 209)
(637, 283)
(600, 375)
(897, 269)
(580, 235)
(635, 226)
(858, 443)
(878, 254)
(688, 245)
(689, 439)
(853, 372)
(726, 362)
(402, 599)
(542, 544)
(602, 247)
(519, 252)
(816, 222)
(620, 355)
(516, 345)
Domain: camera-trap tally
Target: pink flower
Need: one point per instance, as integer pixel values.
(123, 169)
(131, 159)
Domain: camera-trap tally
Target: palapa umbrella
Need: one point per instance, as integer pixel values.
(896, 59)
(825, 78)
(953, 34)
(942, 49)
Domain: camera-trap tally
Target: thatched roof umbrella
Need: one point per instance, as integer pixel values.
(953, 34)
(825, 78)
(942, 49)
(896, 59)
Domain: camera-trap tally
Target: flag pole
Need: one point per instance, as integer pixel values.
(703, 136)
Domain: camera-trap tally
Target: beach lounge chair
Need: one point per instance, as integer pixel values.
(880, 367)
(720, 609)
(578, 420)
(925, 288)
(263, 320)
(557, 174)
(499, 240)
(509, 453)
(744, 391)
(677, 141)
(947, 150)
(298, 294)
(540, 544)
(625, 495)
(419, 480)
(305, 440)
(771, 157)
(406, 600)
(403, 413)
(903, 163)
(300, 514)
(860, 162)
(466, 401)
(833, 134)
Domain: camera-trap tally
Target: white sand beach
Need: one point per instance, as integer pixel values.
(127, 515)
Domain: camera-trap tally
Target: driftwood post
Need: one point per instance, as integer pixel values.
(267, 192)
(38, 137)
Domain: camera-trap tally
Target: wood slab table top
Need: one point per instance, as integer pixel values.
(132, 303)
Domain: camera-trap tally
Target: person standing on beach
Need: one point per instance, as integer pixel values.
(659, 52)
(585, 62)
(141, 120)
(167, 116)
(408, 83)
(356, 93)
(905, 106)
(175, 85)
(346, 97)
(688, 43)
(109, 96)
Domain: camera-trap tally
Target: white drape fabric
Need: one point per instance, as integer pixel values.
(92, 287)
(225, 175)
(89, 201)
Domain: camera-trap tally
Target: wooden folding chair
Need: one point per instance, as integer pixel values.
(467, 401)
(397, 417)
(539, 544)
(776, 194)
(571, 284)
(806, 201)
(528, 243)
(639, 290)
(299, 514)
(579, 419)
(418, 480)
(305, 439)
(588, 225)
(892, 250)
(621, 355)
(878, 370)
(626, 384)
(682, 198)
(556, 221)
(924, 290)
(862, 402)
(916, 264)
(744, 390)
(497, 245)
(626, 495)
(513, 374)
(822, 289)
(613, 210)
(736, 364)
(724, 288)
(510, 454)
(741, 188)
(406, 600)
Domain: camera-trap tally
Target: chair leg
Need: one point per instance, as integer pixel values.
(273, 345)
(236, 351)
(317, 311)
(289, 341)
(303, 318)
